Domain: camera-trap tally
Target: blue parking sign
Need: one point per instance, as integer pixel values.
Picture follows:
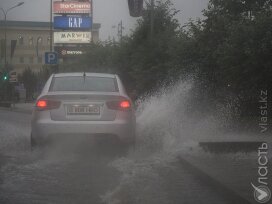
(51, 58)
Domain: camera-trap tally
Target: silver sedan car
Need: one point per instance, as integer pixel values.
(89, 104)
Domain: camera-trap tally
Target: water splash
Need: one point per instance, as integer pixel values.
(165, 129)
(160, 118)
(159, 140)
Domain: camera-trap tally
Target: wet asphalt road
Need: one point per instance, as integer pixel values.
(64, 176)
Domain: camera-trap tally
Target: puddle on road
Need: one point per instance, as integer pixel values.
(63, 178)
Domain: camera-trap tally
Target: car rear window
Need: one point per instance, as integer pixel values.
(80, 83)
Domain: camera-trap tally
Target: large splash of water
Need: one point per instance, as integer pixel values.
(165, 129)
(160, 136)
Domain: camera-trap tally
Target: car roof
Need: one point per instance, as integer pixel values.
(87, 74)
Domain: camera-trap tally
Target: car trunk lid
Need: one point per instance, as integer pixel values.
(82, 106)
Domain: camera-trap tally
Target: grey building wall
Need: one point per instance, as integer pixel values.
(33, 40)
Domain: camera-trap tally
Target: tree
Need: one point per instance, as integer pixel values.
(234, 48)
(29, 79)
(143, 61)
(146, 57)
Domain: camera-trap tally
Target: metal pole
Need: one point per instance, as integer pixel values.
(5, 12)
(51, 26)
(92, 21)
(5, 29)
(121, 30)
(5, 36)
(5, 50)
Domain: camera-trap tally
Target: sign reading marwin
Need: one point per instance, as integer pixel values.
(72, 37)
(71, 7)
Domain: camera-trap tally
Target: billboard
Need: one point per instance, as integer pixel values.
(71, 7)
(72, 37)
(69, 51)
(72, 22)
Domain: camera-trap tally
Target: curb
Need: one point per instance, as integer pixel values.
(17, 110)
(229, 194)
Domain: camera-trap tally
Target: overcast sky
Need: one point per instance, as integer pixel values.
(106, 12)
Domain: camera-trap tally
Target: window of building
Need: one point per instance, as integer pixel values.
(40, 59)
(39, 40)
(21, 40)
(22, 60)
(48, 41)
(31, 59)
(30, 41)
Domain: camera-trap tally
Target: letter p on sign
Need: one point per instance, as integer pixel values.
(51, 58)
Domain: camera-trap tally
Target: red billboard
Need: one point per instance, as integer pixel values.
(71, 7)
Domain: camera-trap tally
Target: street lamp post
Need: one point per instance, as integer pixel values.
(5, 12)
(51, 26)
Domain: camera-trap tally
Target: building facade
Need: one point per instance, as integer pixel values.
(33, 40)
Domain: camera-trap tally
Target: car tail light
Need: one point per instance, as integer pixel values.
(41, 104)
(44, 104)
(124, 104)
(119, 105)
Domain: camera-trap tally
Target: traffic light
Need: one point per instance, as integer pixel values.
(4, 76)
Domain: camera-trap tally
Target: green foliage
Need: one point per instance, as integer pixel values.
(143, 60)
(44, 74)
(30, 80)
(235, 46)
(150, 57)
(228, 52)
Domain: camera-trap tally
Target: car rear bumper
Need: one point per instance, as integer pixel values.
(47, 129)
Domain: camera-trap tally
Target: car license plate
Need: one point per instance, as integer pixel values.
(83, 110)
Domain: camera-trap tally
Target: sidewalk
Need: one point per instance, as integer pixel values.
(21, 108)
(234, 170)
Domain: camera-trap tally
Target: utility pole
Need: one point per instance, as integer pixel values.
(92, 16)
(120, 30)
(51, 26)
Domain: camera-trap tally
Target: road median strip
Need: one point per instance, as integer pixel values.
(232, 195)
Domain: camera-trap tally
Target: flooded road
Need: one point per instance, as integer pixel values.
(63, 176)
(51, 177)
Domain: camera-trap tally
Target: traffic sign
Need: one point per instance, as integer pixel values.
(51, 58)
(13, 77)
